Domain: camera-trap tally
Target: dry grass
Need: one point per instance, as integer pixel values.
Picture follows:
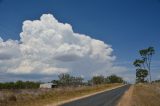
(146, 95)
(142, 95)
(42, 97)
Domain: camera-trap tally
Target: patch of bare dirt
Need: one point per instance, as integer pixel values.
(126, 99)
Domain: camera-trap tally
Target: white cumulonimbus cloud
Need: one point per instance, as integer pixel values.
(47, 46)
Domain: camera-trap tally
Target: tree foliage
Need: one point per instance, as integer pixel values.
(19, 85)
(143, 65)
(109, 79)
(114, 79)
(146, 55)
(98, 79)
(141, 74)
(68, 80)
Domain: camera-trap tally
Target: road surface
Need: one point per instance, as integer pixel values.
(108, 98)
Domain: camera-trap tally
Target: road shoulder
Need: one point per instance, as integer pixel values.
(126, 99)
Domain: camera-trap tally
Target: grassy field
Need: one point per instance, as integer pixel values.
(141, 95)
(146, 95)
(41, 97)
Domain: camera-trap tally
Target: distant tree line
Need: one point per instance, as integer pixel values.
(106, 80)
(20, 85)
(63, 80)
(68, 80)
(156, 81)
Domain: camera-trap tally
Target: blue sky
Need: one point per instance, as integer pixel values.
(127, 25)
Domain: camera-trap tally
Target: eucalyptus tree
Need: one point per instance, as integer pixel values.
(141, 74)
(98, 80)
(139, 63)
(146, 55)
(114, 79)
(144, 64)
(68, 80)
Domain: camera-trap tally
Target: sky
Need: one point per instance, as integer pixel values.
(40, 39)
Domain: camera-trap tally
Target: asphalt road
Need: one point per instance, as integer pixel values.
(108, 98)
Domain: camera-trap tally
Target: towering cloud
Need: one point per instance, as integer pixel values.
(47, 46)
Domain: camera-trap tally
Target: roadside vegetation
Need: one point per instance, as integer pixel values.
(142, 94)
(20, 85)
(143, 65)
(41, 97)
(146, 95)
(27, 93)
(145, 92)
